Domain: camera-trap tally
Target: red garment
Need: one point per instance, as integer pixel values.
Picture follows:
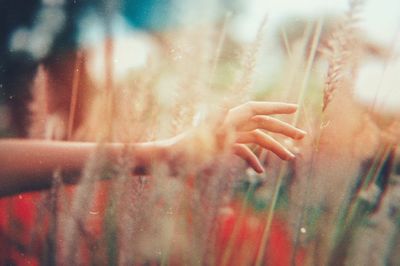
(25, 226)
(18, 215)
(24, 230)
(239, 239)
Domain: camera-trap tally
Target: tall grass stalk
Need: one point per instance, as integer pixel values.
(74, 94)
(307, 74)
(109, 84)
(283, 166)
(339, 50)
(220, 43)
(270, 216)
(310, 61)
(369, 181)
(351, 215)
(82, 199)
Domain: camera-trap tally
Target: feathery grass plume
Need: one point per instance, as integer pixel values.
(135, 203)
(135, 215)
(75, 235)
(45, 224)
(132, 119)
(113, 230)
(338, 162)
(139, 211)
(193, 89)
(166, 217)
(127, 194)
(39, 105)
(248, 64)
(341, 69)
(341, 52)
(212, 191)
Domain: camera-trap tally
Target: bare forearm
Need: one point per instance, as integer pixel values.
(29, 164)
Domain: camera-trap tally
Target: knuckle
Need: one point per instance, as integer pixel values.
(259, 119)
(256, 134)
(266, 119)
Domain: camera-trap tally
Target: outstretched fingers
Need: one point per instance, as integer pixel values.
(274, 125)
(247, 122)
(271, 108)
(241, 114)
(267, 142)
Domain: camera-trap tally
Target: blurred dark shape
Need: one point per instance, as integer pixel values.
(27, 23)
(16, 69)
(45, 32)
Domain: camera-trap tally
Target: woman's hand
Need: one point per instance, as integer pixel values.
(244, 124)
(248, 123)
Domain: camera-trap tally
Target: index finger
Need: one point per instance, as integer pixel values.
(270, 108)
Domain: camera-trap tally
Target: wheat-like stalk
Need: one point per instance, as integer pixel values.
(39, 106)
(248, 65)
(340, 51)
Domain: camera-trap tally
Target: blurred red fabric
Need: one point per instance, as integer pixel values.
(238, 237)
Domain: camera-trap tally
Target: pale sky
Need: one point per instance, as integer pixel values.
(380, 19)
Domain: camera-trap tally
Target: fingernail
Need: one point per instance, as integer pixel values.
(291, 156)
(301, 134)
(259, 169)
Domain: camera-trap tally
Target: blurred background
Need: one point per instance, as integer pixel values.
(35, 32)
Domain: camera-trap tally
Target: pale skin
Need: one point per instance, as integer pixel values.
(27, 165)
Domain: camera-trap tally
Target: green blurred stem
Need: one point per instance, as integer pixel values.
(264, 239)
(352, 213)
